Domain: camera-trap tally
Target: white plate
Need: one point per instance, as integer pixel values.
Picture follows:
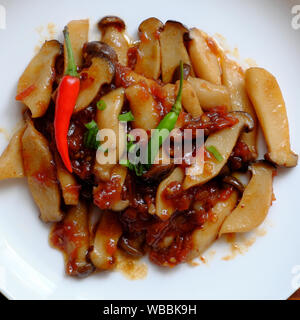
(30, 269)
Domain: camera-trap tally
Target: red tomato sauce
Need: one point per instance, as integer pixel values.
(123, 76)
(132, 56)
(85, 81)
(107, 193)
(66, 237)
(214, 120)
(148, 233)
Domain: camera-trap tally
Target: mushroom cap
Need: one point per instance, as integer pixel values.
(246, 118)
(98, 49)
(112, 21)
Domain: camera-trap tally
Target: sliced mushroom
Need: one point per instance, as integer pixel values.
(109, 21)
(98, 49)
(210, 95)
(35, 85)
(133, 247)
(121, 172)
(202, 238)
(125, 78)
(71, 236)
(105, 242)
(233, 78)
(112, 30)
(149, 60)
(69, 186)
(165, 207)
(158, 171)
(143, 107)
(100, 72)
(11, 161)
(223, 141)
(255, 203)
(190, 100)
(177, 73)
(204, 60)
(41, 174)
(79, 35)
(173, 49)
(233, 181)
(269, 105)
(108, 118)
(102, 172)
(117, 178)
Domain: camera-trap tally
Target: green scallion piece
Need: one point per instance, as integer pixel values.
(90, 136)
(101, 105)
(91, 125)
(214, 151)
(126, 117)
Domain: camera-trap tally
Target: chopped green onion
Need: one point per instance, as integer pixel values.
(101, 105)
(90, 136)
(124, 162)
(130, 137)
(138, 168)
(128, 116)
(131, 148)
(214, 151)
(91, 125)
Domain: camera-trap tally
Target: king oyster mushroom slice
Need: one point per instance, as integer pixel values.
(233, 77)
(223, 141)
(204, 60)
(202, 238)
(79, 35)
(255, 203)
(35, 85)
(41, 174)
(100, 72)
(149, 57)
(164, 207)
(11, 160)
(112, 29)
(266, 96)
(171, 38)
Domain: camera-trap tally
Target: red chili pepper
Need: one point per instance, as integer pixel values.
(67, 94)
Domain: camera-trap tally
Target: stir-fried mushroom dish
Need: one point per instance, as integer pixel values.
(174, 87)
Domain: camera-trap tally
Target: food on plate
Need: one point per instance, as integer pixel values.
(210, 95)
(172, 36)
(255, 203)
(112, 33)
(79, 33)
(11, 160)
(266, 96)
(204, 59)
(135, 148)
(220, 145)
(234, 79)
(148, 58)
(36, 83)
(40, 170)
